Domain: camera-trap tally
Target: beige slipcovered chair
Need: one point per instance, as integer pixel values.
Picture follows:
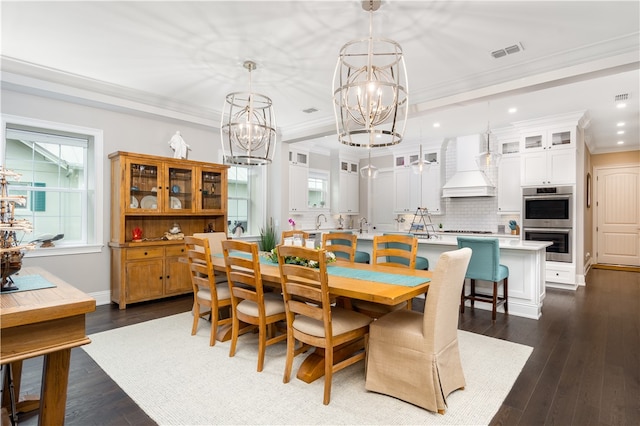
(250, 303)
(310, 317)
(206, 292)
(414, 356)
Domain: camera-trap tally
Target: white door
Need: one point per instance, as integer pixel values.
(617, 212)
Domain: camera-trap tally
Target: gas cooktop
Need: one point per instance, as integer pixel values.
(458, 231)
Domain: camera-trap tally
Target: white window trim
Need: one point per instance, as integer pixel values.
(96, 176)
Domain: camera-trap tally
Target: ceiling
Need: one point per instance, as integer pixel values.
(180, 59)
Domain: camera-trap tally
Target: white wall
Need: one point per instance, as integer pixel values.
(123, 131)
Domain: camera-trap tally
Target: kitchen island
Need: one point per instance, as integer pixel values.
(525, 260)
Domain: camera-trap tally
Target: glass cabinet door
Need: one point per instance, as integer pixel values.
(142, 184)
(180, 186)
(211, 190)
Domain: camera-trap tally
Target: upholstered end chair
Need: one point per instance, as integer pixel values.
(414, 356)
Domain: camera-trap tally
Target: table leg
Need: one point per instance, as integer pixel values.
(312, 367)
(55, 378)
(27, 402)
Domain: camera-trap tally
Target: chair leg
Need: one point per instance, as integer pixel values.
(291, 344)
(235, 331)
(495, 300)
(196, 317)
(462, 299)
(262, 345)
(505, 288)
(473, 292)
(214, 324)
(328, 374)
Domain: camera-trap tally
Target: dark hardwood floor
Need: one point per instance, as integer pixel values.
(584, 369)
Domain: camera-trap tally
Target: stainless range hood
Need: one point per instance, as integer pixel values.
(468, 181)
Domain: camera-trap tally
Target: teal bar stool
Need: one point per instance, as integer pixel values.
(360, 256)
(421, 262)
(485, 265)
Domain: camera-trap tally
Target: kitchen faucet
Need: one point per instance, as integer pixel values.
(362, 219)
(318, 220)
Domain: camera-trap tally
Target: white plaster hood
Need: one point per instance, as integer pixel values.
(468, 181)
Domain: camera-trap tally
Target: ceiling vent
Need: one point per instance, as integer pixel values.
(622, 97)
(507, 51)
(310, 110)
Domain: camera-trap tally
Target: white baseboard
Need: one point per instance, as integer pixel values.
(102, 297)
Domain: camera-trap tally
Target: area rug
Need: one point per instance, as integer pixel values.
(178, 379)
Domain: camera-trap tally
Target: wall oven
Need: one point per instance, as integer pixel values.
(549, 207)
(560, 250)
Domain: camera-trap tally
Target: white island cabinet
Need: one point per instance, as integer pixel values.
(525, 260)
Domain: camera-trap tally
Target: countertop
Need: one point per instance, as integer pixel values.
(506, 242)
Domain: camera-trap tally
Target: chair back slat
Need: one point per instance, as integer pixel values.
(243, 271)
(398, 250)
(291, 233)
(302, 284)
(343, 245)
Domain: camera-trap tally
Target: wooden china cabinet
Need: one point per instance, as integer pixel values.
(153, 194)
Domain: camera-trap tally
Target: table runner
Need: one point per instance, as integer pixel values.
(358, 274)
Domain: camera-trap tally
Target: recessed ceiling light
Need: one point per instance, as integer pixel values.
(621, 132)
(436, 124)
(513, 110)
(620, 142)
(621, 105)
(620, 124)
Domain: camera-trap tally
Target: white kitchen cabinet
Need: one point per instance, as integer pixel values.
(414, 190)
(345, 190)
(298, 188)
(509, 194)
(405, 191)
(298, 158)
(548, 157)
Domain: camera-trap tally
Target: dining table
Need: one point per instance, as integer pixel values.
(386, 285)
(46, 319)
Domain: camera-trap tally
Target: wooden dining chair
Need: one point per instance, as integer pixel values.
(215, 246)
(205, 290)
(343, 245)
(291, 233)
(311, 319)
(396, 250)
(250, 304)
(399, 250)
(414, 356)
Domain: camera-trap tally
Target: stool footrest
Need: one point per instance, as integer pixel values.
(483, 298)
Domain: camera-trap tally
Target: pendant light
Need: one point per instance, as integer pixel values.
(248, 129)
(369, 171)
(487, 159)
(370, 90)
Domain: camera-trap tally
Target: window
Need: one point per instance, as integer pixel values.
(60, 167)
(246, 203)
(318, 188)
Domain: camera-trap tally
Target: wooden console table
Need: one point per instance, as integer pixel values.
(48, 322)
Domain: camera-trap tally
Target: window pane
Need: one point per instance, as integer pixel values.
(54, 182)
